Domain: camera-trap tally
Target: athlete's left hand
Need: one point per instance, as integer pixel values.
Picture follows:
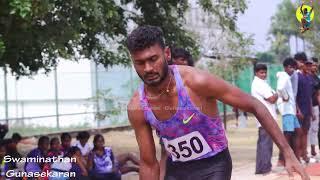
(293, 165)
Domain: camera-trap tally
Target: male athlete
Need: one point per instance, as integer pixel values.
(180, 103)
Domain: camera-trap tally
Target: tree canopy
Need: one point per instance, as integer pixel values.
(35, 33)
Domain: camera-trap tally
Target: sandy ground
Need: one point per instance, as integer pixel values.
(242, 146)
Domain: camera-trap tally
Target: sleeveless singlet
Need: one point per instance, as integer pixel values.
(189, 134)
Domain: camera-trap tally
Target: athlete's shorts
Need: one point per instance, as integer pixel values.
(218, 167)
(290, 122)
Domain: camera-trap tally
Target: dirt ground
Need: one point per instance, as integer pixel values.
(242, 146)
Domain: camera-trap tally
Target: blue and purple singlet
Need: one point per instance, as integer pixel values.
(189, 134)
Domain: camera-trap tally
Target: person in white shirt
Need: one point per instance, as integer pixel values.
(82, 143)
(287, 106)
(261, 90)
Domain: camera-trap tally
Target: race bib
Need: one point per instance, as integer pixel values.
(188, 147)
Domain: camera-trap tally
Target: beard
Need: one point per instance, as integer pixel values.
(157, 81)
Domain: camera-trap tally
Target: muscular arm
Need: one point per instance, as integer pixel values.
(210, 86)
(301, 8)
(149, 166)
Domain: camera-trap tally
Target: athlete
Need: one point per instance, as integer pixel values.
(180, 103)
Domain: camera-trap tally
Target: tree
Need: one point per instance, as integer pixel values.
(284, 25)
(267, 57)
(35, 33)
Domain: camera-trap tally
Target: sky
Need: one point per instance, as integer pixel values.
(256, 20)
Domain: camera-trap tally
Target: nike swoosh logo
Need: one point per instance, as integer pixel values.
(185, 121)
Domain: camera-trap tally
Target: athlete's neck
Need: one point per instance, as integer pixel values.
(167, 83)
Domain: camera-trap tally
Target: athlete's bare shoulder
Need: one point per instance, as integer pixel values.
(135, 111)
(201, 82)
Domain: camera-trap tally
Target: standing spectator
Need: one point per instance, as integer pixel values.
(261, 90)
(287, 107)
(304, 100)
(314, 127)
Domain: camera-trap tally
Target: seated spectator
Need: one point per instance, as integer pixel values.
(39, 152)
(3, 166)
(82, 143)
(102, 163)
(77, 167)
(3, 130)
(65, 142)
(12, 145)
(55, 149)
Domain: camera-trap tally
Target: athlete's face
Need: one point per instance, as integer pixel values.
(305, 11)
(289, 69)
(151, 64)
(262, 74)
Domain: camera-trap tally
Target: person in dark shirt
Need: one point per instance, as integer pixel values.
(304, 101)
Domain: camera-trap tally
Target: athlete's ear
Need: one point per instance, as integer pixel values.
(167, 53)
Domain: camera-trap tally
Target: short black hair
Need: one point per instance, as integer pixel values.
(182, 53)
(83, 135)
(289, 61)
(42, 140)
(65, 136)
(300, 56)
(144, 37)
(314, 59)
(259, 67)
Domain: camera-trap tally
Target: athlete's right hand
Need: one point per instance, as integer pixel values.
(293, 165)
